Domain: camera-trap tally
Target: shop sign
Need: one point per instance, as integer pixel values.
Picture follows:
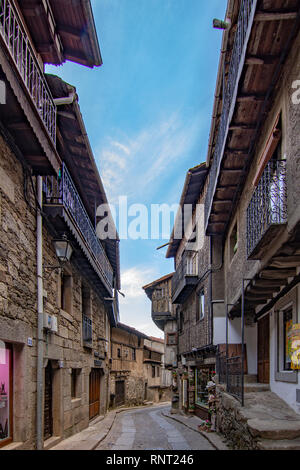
(294, 345)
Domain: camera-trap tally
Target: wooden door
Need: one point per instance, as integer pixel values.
(48, 419)
(263, 350)
(120, 393)
(94, 393)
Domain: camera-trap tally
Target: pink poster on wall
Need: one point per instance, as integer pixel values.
(5, 358)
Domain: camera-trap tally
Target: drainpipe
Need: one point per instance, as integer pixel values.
(40, 312)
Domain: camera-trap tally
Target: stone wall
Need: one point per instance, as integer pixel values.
(232, 424)
(18, 314)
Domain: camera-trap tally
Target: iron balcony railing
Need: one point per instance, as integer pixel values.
(188, 266)
(63, 191)
(244, 24)
(230, 372)
(268, 205)
(87, 329)
(17, 42)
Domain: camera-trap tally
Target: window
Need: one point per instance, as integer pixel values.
(181, 321)
(202, 376)
(287, 326)
(133, 354)
(153, 372)
(171, 339)
(86, 300)
(75, 383)
(200, 307)
(119, 352)
(66, 293)
(5, 393)
(233, 242)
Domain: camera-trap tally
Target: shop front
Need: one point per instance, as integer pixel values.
(5, 393)
(203, 375)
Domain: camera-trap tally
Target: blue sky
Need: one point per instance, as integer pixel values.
(147, 111)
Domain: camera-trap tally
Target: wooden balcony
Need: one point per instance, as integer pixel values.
(161, 307)
(267, 211)
(67, 213)
(18, 45)
(185, 278)
(250, 69)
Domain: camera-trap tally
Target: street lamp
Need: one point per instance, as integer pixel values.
(63, 249)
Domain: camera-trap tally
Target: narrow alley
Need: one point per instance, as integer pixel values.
(149, 429)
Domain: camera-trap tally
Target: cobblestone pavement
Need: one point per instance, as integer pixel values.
(148, 429)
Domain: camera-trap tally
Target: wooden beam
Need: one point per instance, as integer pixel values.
(225, 201)
(237, 127)
(285, 262)
(69, 31)
(275, 16)
(232, 170)
(268, 283)
(277, 273)
(224, 186)
(261, 60)
(250, 97)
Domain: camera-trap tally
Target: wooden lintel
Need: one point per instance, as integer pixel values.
(275, 16)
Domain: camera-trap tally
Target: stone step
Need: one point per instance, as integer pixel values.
(274, 429)
(256, 387)
(285, 444)
(250, 378)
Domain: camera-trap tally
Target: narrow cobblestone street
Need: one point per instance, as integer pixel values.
(148, 429)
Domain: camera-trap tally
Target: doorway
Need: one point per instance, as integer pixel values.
(263, 350)
(48, 418)
(120, 393)
(94, 393)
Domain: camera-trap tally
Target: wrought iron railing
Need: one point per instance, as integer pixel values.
(234, 377)
(23, 56)
(268, 205)
(188, 266)
(87, 329)
(230, 372)
(221, 367)
(244, 23)
(63, 191)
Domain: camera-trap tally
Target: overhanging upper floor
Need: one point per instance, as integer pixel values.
(262, 42)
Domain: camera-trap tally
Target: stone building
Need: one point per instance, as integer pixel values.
(158, 378)
(58, 281)
(252, 207)
(197, 287)
(127, 377)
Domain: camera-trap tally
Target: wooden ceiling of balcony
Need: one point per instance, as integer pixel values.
(62, 30)
(270, 42)
(22, 125)
(274, 280)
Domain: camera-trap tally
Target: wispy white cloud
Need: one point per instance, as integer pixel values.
(129, 165)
